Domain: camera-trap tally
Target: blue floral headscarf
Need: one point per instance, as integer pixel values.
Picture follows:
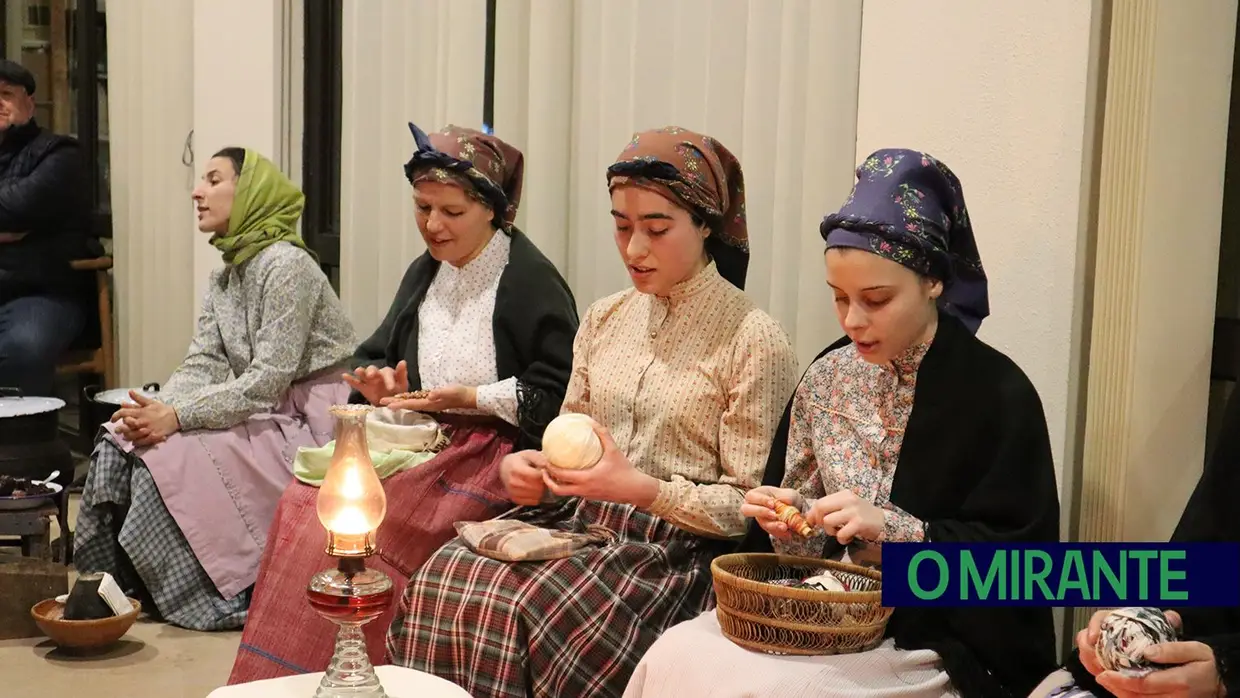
(908, 207)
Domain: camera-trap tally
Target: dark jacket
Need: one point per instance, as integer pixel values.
(43, 193)
(976, 465)
(535, 323)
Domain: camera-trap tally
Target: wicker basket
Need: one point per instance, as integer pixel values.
(776, 619)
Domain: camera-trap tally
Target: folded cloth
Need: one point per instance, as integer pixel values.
(517, 541)
(397, 440)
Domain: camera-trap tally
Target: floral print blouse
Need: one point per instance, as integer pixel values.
(845, 431)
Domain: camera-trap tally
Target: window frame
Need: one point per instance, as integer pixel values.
(321, 137)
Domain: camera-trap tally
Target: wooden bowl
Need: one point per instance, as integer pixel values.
(81, 634)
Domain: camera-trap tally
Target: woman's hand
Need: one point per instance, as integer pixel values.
(1087, 639)
(147, 422)
(847, 516)
(376, 383)
(522, 475)
(612, 479)
(451, 397)
(760, 506)
(1194, 674)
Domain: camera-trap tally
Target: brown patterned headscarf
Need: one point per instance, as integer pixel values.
(487, 168)
(700, 174)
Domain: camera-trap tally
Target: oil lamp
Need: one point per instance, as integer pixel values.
(351, 505)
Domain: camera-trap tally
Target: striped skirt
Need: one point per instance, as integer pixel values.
(576, 626)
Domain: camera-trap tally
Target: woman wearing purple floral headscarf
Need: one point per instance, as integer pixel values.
(908, 429)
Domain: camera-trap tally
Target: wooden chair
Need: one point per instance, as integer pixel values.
(99, 361)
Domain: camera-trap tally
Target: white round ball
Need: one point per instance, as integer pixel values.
(570, 443)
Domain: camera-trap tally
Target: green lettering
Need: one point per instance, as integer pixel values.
(998, 564)
(1037, 577)
(1144, 556)
(944, 576)
(1073, 564)
(1120, 585)
(1014, 592)
(1166, 575)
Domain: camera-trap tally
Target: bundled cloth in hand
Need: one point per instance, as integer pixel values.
(511, 540)
(397, 439)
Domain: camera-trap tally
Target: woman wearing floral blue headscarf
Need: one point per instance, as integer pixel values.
(908, 429)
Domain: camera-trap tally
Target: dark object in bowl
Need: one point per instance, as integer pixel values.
(82, 634)
(84, 601)
(21, 487)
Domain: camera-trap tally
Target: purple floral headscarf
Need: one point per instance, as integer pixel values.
(908, 207)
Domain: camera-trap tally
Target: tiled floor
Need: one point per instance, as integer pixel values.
(153, 659)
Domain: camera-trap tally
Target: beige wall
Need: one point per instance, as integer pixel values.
(1009, 117)
(228, 71)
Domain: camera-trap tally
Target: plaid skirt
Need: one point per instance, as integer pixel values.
(575, 626)
(124, 529)
(283, 635)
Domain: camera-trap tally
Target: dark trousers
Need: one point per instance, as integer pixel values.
(35, 333)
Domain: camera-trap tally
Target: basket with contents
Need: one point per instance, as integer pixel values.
(782, 604)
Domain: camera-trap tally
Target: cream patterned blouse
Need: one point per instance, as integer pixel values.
(456, 331)
(845, 431)
(264, 325)
(691, 387)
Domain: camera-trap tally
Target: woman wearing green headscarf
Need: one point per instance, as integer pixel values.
(182, 487)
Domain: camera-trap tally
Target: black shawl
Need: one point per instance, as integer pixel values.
(1211, 516)
(535, 323)
(976, 465)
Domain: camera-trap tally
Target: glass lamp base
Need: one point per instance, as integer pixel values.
(350, 596)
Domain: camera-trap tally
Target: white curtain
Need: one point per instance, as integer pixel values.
(402, 61)
(773, 80)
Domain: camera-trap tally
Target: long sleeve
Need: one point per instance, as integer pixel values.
(764, 375)
(206, 362)
(279, 346)
(801, 468)
(499, 399)
(45, 195)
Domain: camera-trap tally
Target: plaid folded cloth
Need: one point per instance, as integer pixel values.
(516, 541)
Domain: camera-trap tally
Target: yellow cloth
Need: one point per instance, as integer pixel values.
(397, 440)
(311, 464)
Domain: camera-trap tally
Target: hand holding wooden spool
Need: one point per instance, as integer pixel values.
(791, 517)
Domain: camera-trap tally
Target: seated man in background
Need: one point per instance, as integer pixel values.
(43, 225)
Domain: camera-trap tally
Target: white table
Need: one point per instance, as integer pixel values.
(398, 682)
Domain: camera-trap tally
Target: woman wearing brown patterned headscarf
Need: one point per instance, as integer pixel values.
(684, 379)
(483, 325)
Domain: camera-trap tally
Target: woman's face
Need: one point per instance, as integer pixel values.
(884, 307)
(213, 197)
(658, 240)
(455, 226)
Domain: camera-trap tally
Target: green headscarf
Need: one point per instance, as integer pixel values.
(265, 211)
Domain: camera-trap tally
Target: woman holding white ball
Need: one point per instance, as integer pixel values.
(1204, 659)
(908, 429)
(681, 379)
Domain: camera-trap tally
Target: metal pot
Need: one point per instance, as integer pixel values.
(30, 443)
(100, 405)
